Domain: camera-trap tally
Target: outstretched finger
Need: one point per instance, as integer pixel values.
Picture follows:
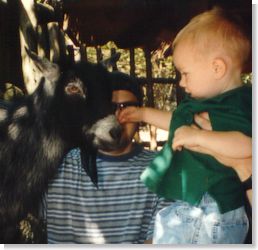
(176, 146)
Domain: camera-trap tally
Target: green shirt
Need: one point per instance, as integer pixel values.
(187, 175)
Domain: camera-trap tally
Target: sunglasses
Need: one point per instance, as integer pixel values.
(121, 105)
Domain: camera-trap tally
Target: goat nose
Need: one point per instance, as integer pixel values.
(116, 133)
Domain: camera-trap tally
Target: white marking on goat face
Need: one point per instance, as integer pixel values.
(20, 112)
(101, 129)
(13, 131)
(51, 147)
(3, 114)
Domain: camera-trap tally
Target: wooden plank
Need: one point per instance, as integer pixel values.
(28, 38)
(132, 62)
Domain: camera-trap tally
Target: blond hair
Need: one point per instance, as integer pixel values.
(212, 31)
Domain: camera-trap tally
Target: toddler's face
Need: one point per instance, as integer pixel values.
(197, 75)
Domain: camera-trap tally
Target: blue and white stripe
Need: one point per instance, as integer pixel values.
(121, 210)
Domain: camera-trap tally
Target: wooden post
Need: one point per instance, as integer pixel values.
(83, 52)
(114, 66)
(28, 38)
(70, 52)
(99, 54)
(150, 96)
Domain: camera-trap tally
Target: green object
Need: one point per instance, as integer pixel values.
(187, 175)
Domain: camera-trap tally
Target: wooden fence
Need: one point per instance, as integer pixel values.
(147, 81)
(21, 28)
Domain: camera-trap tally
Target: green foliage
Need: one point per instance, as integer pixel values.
(11, 91)
(164, 94)
(247, 78)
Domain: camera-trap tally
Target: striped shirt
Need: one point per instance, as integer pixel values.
(120, 210)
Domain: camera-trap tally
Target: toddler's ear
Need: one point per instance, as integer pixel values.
(219, 67)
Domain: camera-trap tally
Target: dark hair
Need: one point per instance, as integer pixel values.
(122, 81)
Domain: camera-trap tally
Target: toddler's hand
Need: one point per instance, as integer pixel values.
(185, 136)
(130, 114)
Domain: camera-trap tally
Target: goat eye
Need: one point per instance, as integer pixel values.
(76, 87)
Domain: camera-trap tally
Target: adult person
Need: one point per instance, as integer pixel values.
(243, 166)
(121, 209)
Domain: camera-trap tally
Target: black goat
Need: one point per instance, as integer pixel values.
(36, 131)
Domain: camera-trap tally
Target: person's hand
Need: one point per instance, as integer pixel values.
(186, 136)
(131, 114)
(242, 166)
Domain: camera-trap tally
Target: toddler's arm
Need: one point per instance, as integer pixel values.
(158, 118)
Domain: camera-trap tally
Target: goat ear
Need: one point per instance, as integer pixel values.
(48, 69)
(111, 61)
